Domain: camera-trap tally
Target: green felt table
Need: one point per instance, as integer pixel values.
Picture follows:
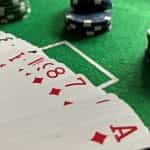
(120, 51)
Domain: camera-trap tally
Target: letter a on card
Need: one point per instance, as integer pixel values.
(123, 131)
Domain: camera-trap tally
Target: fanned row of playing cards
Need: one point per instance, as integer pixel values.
(46, 106)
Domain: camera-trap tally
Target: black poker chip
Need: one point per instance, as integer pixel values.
(78, 27)
(13, 10)
(147, 51)
(91, 31)
(148, 39)
(147, 55)
(89, 6)
(87, 20)
(146, 148)
(12, 18)
(19, 8)
(89, 17)
(7, 3)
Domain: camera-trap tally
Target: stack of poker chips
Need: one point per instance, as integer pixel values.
(89, 17)
(13, 10)
(148, 46)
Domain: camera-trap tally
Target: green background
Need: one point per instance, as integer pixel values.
(121, 51)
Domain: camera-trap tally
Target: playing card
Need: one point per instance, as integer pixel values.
(25, 58)
(123, 129)
(45, 105)
(19, 100)
(12, 59)
(27, 98)
(25, 75)
(48, 68)
(9, 40)
(5, 37)
(67, 130)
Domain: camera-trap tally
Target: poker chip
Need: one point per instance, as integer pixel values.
(97, 27)
(13, 10)
(147, 52)
(83, 6)
(9, 2)
(148, 39)
(92, 31)
(87, 20)
(89, 17)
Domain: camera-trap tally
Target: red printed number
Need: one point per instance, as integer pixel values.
(55, 72)
(80, 82)
(17, 57)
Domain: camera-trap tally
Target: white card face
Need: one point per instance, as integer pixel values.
(45, 105)
(90, 129)
(12, 42)
(22, 86)
(28, 98)
(49, 69)
(2, 35)
(6, 37)
(32, 61)
(12, 54)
